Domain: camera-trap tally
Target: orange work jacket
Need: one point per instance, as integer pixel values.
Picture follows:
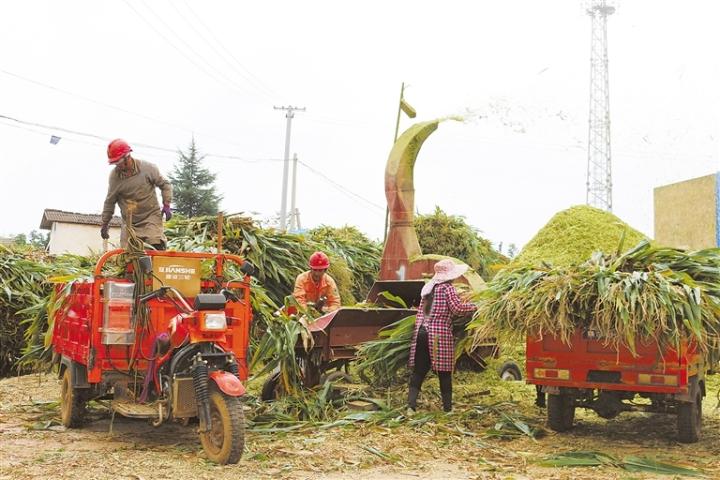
(306, 290)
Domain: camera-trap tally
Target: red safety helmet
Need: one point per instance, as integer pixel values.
(319, 261)
(117, 149)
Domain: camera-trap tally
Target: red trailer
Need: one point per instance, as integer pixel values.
(143, 346)
(591, 373)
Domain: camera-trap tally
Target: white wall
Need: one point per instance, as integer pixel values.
(80, 239)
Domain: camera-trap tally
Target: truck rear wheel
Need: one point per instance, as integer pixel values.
(72, 401)
(690, 419)
(561, 411)
(225, 441)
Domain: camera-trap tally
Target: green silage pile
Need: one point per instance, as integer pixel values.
(572, 235)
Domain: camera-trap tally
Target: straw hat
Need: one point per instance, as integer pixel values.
(448, 270)
(445, 270)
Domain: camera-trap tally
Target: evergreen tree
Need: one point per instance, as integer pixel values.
(193, 185)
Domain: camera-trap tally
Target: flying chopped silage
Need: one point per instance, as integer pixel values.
(572, 235)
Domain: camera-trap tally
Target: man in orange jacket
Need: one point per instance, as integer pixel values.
(316, 286)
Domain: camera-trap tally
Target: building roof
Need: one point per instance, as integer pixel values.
(51, 216)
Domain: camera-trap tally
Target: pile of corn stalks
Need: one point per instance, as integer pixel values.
(27, 275)
(280, 257)
(647, 294)
(27, 299)
(450, 235)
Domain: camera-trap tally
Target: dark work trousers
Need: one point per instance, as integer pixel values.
(420, 371)
(158, 246)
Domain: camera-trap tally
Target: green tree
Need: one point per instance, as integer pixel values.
(193, 185)
(450, 235)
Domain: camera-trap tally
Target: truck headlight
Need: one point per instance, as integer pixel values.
(215, 321)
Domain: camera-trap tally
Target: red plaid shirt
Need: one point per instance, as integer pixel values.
(446, 305)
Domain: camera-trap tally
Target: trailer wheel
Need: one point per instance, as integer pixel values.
(561, 411)
(510, 372)
(690, 419)
(72, 402)
(225, 441)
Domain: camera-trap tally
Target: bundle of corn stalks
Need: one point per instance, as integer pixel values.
(280, 257)
(451, 236)
(381, 362)
(276, 350)
(360, 254)
(647, 294)
(28, 299)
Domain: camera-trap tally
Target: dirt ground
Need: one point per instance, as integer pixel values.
(34, 446)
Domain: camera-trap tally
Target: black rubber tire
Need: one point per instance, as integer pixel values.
(272, 388)
(690, 419)
(560, 411)
(225, 441)
(510, 371)
(72, 402)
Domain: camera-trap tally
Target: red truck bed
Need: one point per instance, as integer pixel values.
(590, 363)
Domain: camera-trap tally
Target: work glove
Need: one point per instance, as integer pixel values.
(166, 211)
(320, 303)
(104, 231)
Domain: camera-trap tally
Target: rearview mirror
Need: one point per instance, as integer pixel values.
(146, 265)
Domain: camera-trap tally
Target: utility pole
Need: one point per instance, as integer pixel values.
(282, 224)
(294, 222)
(599, 168)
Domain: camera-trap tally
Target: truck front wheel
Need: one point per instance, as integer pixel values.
(72, 402)
(561, 411)
(224, 442)
(690, 419)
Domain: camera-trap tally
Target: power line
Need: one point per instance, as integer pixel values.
(242, 71)
(144, 145)
(340, 187)
(23, 126)
(114, 107)
(190, 47)
(180, 51)
(45, 134)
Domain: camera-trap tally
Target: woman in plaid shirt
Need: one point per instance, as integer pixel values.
(432, 344)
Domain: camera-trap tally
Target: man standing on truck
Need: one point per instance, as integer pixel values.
(316, 286)
(132, 186)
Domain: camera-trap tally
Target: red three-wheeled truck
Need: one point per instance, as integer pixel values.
(161, 341)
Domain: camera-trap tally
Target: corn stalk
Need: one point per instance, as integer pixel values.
(647, 294)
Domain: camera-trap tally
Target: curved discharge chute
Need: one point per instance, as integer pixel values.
(402, 243)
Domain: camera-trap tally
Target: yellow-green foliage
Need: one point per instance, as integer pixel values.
(343, 277)
(572, 235)
(449, 235)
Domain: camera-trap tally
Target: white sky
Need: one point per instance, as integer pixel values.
(522, 64)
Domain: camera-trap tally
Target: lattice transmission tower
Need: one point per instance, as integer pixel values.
(599, 170)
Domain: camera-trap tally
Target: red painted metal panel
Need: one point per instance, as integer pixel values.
(77, 327)
(581, 356)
